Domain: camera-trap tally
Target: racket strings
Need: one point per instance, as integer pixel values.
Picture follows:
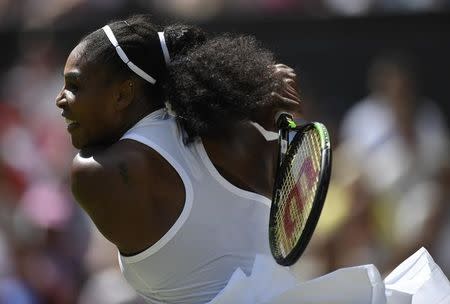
(298, 191)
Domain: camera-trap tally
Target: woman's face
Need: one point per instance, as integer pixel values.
(87, 101)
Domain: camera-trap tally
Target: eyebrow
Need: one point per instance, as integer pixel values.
(72, 75)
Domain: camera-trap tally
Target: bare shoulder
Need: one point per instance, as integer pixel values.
(128, 189)
(108, 183)
(116, 168)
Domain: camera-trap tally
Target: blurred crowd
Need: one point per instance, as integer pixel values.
(49, 250)
(390, 186)
(389, 195)
(38, 13)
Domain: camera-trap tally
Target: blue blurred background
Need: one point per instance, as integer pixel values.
(374, 71)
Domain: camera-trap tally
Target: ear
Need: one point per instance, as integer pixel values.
(124, 94)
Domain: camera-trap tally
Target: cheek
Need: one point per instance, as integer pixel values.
(92, 106)
(102, 120)
(105, 114)
(88, 114)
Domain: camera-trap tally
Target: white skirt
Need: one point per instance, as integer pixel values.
(418, 280)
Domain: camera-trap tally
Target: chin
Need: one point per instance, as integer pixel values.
(91, 146)
(82, 143)
(77, 143)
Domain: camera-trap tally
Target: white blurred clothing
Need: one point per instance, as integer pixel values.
(418, 280)
(369, 130)
(389, 168)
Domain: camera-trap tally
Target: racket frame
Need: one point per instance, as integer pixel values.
(319, 199)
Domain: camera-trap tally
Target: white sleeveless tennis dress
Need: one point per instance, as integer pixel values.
(217, 251)
(220, 229)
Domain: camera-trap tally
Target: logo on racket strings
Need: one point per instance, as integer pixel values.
(296, 199)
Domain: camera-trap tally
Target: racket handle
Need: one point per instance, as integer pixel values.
(283, 120)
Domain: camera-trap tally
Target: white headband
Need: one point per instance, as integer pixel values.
(165, 50)
(109, 33)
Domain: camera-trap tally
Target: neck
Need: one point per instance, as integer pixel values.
(138, 110)
(227, 134)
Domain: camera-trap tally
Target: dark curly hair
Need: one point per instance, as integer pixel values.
(219, 83)
(209, 84)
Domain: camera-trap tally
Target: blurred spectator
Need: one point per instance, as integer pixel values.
(349, 7)
(37, 14)
(405, 6)
(104, 274)
(188, 9)
(98, 289)
(396, 142)
(42, 226)
(43, 13)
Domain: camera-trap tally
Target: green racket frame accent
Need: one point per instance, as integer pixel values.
(319, 199)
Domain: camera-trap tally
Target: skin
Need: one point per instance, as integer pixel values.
(126, 187)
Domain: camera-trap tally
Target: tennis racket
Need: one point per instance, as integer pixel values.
(301, 185)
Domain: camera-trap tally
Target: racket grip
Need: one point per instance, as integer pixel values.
(282, 120)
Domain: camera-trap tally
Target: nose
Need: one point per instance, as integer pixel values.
(60, 100)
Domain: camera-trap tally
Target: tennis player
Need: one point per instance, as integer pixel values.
(177, 163)
(177, 155)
